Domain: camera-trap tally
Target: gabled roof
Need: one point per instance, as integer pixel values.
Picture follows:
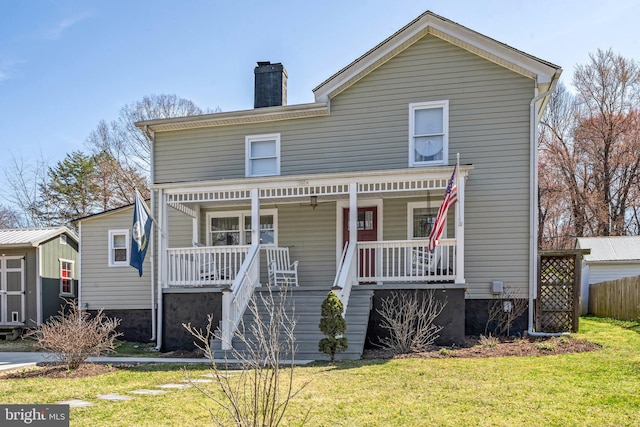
(543, 72)
(605, 249)
(20, 237)
(107, 212)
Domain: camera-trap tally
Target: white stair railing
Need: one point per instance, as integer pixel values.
(236, 298)
(347, 275)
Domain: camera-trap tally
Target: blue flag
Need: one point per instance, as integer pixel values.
(141, 233)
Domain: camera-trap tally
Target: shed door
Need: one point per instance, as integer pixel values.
(12, 303)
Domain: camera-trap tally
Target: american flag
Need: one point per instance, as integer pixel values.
(450, 198)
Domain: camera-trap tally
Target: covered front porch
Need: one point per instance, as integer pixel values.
(345, 230)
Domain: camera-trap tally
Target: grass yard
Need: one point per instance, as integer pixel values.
(600, 388)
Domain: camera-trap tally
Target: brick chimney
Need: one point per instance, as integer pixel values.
(270, 85)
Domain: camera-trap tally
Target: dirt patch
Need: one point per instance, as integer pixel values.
(60, 371)
(501, 347)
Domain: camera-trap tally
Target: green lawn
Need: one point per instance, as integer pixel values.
(600, 388)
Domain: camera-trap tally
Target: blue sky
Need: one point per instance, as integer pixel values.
(67, 64)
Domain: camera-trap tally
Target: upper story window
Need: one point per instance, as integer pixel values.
(63, 239)
(262, 155)
(66, 277)
(118, 248)
(428, 133)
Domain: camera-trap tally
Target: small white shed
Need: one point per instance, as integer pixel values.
(610, 258)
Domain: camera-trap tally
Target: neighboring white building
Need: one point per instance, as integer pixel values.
(611, 258)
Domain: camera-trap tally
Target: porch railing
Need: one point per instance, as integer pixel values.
(406, 261)
(236, 298)
(201, 266)
(346, 276)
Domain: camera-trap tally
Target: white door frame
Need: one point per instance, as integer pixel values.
(4, 293)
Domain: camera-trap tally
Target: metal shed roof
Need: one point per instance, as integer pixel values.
(603, 249)
(17, 237)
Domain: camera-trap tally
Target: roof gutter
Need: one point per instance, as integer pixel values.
(533, 206)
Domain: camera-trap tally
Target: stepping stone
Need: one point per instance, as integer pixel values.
(75, 403)
(222, 374)
(195, 380)
(151, 392)
(178, 386)
(113, 396)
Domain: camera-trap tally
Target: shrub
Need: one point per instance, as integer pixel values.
(409, 319)
(333, 325)
(489, 341)
(504, 309)
(74, 335)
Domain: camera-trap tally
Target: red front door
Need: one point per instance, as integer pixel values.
(367, 232)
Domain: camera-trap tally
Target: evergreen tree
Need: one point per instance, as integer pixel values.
(333, 325)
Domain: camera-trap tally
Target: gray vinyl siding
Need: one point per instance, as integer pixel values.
(180, 229)
(51, 253)
(111, 288)
(368, 130)
(310, 235)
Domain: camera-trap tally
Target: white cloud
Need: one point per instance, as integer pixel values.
(6, 68)
(56, 31)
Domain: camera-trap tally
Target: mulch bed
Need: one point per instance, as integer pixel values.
(506, 346)
(60, 371)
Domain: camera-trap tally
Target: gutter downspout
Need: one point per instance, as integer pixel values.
(79, 265)
(533, 214)
(152, 261)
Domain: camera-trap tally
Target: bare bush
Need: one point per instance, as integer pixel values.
(504, 309)
(260, 392)
(409, 320)
(74, 335)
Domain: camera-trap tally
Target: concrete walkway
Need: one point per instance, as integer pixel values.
(19, 360)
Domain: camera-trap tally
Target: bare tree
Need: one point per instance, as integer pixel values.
(9, 218)
(130, 146)
(260, 393)
(589, 144)
(24, 181)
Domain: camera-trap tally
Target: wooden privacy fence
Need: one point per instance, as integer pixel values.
(616, 298)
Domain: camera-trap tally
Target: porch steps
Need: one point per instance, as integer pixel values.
(306, 304)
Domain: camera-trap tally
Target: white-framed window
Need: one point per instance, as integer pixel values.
(428, 133)
(66, 277)
(232, 228)
(118, 248)
(420, 219)
(262, 155)
(63, 239)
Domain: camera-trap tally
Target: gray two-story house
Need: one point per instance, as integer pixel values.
(350, 185)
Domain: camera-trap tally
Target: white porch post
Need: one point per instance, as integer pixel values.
(460, 230)
(196, 225)
(255, 221)
(353, 212)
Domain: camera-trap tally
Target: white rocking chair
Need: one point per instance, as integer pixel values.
(282, 271)
(423, 262)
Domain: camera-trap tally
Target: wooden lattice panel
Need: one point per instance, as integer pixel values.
(556, 300)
